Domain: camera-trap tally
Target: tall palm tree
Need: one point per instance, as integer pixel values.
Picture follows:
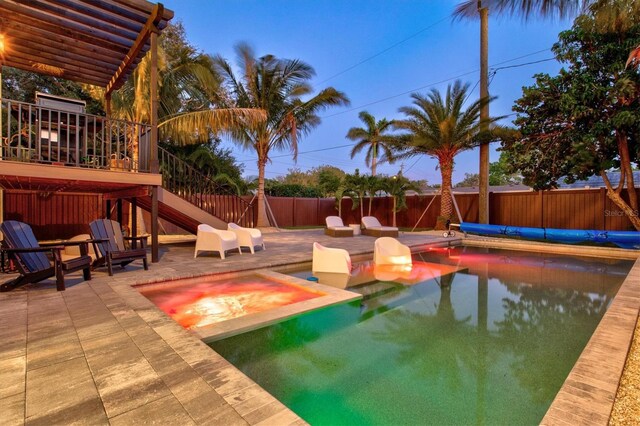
(275, 86)
(188, 92)
(441, 128)
(374, 137)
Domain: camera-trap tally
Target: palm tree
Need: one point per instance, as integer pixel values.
(397, 186)
(276, 87)
(357, 185)
(189, 90)
(441, 129)
(372, 136)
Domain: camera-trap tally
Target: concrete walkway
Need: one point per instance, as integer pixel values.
(101, 353)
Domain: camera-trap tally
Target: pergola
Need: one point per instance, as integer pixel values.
(98, 42)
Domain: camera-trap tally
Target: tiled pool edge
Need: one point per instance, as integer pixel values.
(588, 394)
(332, 296)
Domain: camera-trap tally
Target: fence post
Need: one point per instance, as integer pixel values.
(541, 213)
(603, 200)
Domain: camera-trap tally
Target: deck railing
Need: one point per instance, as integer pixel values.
(36, 134)
(188, 183)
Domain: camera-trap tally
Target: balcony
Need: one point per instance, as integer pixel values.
(35, 134)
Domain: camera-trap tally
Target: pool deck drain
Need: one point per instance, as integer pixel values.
(101, 353)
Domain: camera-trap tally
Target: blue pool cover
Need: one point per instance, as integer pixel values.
(624, 239)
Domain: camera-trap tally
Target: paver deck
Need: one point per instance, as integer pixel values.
(101, 353)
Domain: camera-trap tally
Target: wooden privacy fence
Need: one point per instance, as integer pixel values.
(565, 209)
(62, 215)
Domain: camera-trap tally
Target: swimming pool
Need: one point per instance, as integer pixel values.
(492, 344)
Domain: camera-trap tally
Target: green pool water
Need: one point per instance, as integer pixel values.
(491, 345)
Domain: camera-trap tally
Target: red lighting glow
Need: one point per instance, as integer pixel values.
(207, 303)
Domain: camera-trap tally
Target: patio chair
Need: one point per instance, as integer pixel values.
(211, 239)
(372, 227)
(389, 251)
(333, 260)
(31, 261)
(335, 227)
(110, 248)
(247, 237)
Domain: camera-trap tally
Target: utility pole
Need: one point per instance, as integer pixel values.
(483, 190)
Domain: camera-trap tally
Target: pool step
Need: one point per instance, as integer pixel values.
(371, 291)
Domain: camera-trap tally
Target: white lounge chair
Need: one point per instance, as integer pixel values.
(71, 252)
(335, 227)
(389, 251)
(372, 227)
(211, 239)
(247, 237)
(333, 260)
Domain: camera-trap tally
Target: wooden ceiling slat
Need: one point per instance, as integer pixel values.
(65, 43)
(117, 9)
(92, 9)
(65, 67)
(65, 12)
(146, 7)
(57, 24)
(55, 30)
(51, 46)
(28, 66)
(56, 56)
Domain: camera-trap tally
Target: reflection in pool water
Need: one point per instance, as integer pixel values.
(208, 302)
(490, 345)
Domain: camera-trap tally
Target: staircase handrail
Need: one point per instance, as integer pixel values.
(184, 180)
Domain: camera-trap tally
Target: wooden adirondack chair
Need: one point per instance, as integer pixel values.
(110, 248)
(32, 262)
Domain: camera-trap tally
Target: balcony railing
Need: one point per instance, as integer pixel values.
(35, 134)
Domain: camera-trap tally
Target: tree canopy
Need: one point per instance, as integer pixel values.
(585, 120)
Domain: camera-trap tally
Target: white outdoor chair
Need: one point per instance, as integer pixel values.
(247, 237)
(335, 227)
(389, 251)
(333, 260)
(71, 252)
(211, 239)
(372, 227)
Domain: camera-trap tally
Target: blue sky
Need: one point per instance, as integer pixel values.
(404, 46)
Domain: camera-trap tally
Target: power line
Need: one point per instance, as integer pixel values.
(384, 50)
(442, 81)
(524, 64)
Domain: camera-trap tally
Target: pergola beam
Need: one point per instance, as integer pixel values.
(149, 27)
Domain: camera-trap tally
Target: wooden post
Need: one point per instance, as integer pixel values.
(155, 256)
(153, 148)
(108, 215)
(134, 221)
(119, 211)
(483, 192)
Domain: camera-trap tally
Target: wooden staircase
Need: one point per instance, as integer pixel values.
(188, 198)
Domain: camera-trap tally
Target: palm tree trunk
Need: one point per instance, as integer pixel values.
(625, 168)
(446, 203)
(262, 220)
(395, 203)
(370, 203)
(374, 160)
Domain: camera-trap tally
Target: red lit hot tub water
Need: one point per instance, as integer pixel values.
(205, 301)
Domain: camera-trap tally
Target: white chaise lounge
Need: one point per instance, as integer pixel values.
(335, 227)
(372, 227)
(211, 239)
